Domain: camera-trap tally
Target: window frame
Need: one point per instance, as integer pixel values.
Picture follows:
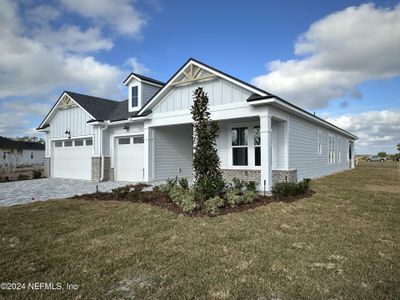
(90, 140)
(59, 143)
(319, 142)
(256, 146)
(250, 146)
(68, 141)
(123, 138)
(331, 149)
(75, 145)
(243, 146)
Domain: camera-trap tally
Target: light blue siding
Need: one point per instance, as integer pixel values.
(148, 92)
(303, 149)
(173, 151)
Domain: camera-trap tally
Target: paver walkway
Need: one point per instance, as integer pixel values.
(20, 192)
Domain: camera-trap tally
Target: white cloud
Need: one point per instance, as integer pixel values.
(136, 66)
(42, 14)
(377, 130)
(38, 59)
(120, 15)
(341, 50)
(71, 38)
(34, 67)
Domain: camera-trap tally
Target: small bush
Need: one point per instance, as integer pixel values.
(233, 198)
(183, 182)
(36, 173)
(166, 188)
(251, 186)
(122, 192)
(22, 177)
(285, 189)
(238, 184)
(214, 204)
(183, 198)
(249, 197)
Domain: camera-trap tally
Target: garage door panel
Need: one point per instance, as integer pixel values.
(73, 162)
(130, 156)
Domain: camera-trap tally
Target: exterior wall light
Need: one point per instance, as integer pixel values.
(68, 132)
(126, 127)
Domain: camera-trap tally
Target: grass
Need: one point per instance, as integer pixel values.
(341, 243)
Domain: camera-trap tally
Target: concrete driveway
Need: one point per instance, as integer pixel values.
(20, 192)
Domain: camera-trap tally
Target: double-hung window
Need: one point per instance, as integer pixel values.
(135, 96)
(319, 142)
(339, 146)
(331, 149)
(240, 147)
(257, 146)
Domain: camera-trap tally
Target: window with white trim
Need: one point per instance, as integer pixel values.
(78, 143)
(89, 142)
(240, 147)
(68, 144)
(257, 146)
(331, 149)
(135, 96)
(319, 150)
(58, 144)
(138, 140)
(339, 144)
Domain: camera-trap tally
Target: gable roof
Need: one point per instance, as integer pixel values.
(6, 143)
(143, 78)
(259, 92)
(99, 109)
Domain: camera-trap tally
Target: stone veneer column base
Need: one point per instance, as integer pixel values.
(247, 175)
(96, 166)
(47, 167)
(284, 175)
(107, 167)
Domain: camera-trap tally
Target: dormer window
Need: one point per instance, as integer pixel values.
(135, 96)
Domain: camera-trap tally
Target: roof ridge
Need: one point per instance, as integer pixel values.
(86, 95)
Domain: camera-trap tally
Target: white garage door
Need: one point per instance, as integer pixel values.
(72, 159)
(130, 155)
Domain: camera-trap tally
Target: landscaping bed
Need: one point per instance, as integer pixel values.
(160, 196)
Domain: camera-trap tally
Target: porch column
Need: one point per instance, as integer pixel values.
(148, 154)
(266, 152)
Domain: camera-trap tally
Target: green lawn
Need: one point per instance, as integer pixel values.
(344, 242)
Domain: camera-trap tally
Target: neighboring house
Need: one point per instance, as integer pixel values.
(148, 137)
(31, 153)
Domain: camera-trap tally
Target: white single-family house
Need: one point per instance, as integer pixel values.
(30, 153)
(148, 137)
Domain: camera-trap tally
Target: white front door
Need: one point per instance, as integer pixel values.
(130, 158)
(72, 159)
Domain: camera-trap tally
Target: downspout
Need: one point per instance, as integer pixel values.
(101, 153)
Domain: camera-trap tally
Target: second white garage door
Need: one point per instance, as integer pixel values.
(130, 155)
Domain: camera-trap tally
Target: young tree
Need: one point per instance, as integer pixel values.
(206, 163)
(10, 160)
(382, 154)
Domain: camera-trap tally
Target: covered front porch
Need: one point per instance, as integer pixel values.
(250, 148)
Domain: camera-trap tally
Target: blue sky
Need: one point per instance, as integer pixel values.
(336, 58)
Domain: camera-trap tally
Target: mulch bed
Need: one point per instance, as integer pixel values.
(160, 200)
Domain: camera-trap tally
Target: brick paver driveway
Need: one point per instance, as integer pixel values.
(20, 192)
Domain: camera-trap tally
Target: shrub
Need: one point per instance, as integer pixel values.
(251, 186)
(36, 173)
(182, 198)
(249, 197)
(122, 191)
(238, 184)
(285, 189)
(233, 198)
(214, 204)
(183, 182)
(165, 188)
(206, 162)
(22, 177)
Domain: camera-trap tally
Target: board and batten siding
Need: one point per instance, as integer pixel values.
(219, 92)
(173, 151)
(303, 149)
(73, 118)
(148, 91)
